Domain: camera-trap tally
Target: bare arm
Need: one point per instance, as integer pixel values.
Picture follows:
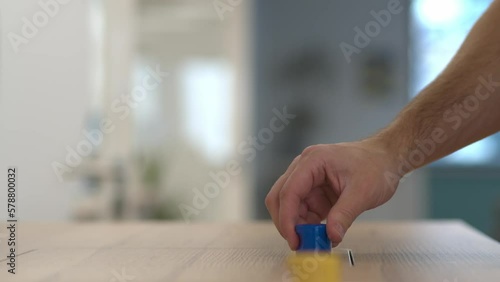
(461, 106)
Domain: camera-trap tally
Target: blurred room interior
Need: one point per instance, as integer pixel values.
(231, 65)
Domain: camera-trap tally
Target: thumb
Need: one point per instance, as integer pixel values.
(347, 208)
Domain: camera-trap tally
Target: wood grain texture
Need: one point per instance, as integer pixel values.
(391, 251)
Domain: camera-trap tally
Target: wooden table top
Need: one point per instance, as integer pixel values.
(443, 251)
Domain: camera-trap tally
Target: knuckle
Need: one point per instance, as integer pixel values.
(295, 160)
(309, 150)
(268, 201)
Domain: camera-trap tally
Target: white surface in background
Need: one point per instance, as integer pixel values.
(43, 98)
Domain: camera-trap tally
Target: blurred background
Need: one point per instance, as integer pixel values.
(182, 109)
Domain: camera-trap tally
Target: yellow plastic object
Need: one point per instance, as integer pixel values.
(314, 267)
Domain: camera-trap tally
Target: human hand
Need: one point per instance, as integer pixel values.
(335, 181)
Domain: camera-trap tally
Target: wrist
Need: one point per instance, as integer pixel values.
(389, 153)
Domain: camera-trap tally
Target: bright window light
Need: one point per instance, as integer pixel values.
(439, 13)
(207, 107)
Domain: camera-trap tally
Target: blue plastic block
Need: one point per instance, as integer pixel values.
(313, 237)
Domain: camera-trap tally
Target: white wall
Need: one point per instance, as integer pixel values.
(43, 97)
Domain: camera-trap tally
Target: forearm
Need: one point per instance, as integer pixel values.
(460, 107)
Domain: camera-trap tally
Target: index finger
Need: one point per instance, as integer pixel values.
(308, 174)
(272, 199)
